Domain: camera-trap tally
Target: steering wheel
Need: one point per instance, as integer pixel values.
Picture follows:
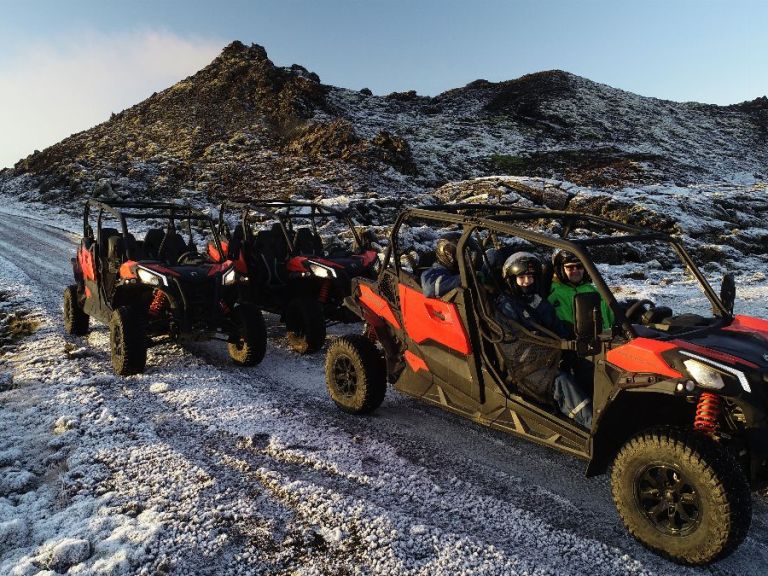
(188, 255)
(637, 309)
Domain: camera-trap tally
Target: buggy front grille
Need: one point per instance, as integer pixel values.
(200, 299)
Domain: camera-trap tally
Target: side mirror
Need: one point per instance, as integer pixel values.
(728, 292)
(587, 322)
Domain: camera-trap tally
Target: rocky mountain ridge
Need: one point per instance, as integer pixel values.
(243, 127)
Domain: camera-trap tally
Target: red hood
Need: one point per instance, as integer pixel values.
(749, 324)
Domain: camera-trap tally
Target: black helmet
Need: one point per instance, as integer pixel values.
(518, 264)
(445, 250)
(560, 259)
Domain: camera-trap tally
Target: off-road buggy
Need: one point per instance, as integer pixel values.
(157, 287)
(291, 269)
(680, 399)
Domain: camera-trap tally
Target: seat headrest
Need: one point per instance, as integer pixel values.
(305, 241)
(106, 234)
(116, 248)
(152, 240)
(172, 247)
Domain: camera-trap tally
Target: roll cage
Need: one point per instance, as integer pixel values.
(284, 213)
(140, 210)
(507, 219)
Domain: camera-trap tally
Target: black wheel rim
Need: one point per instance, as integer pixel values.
(667, 499)
(345, 376)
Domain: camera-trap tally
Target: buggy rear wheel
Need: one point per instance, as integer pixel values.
(682, 495)
(305, 323)
(355, 374)
(128, 342)
(250, 342)
(75, 319)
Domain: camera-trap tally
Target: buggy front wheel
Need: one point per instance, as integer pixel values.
(249, 345)
(128, 341)
(682, 495)
(305, 324)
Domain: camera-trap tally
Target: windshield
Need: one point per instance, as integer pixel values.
(653, 270)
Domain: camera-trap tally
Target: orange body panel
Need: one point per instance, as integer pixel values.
(643, 355)
(415, 362)
(214, 253)
(369, 256)
(749, 324)
(378, 305)
(85, 261)
(296, 264)
(240, 264)
(126, 269)
(432, 319)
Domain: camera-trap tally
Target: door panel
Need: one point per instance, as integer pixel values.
(433, 319)
(443, 345)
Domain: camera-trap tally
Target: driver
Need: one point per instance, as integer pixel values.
(571, 279)
(534, 367)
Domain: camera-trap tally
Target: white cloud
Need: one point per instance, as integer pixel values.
(53, 90)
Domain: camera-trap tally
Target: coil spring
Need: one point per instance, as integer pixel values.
(325, 290)
(707, 413)
(158, 303)
(224, 308)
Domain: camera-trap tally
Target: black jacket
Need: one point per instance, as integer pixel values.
(531, 367)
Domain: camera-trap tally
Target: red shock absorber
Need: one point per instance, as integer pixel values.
(707, 413)
(224, 308)
(158, 302)
(325, 290)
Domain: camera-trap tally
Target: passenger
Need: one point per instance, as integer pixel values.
(534, 367)
(571, 279)
(443, 276)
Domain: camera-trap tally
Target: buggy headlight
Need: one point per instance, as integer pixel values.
(322, 271)
(709, 374)
(150, 277)
(229, 277)
(705, 376)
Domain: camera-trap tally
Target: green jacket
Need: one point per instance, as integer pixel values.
(561, 296)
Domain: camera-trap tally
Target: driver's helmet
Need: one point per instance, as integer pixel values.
(560, 259)
(445, 251)
(518, 264)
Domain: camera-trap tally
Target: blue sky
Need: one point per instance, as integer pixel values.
(65, 66)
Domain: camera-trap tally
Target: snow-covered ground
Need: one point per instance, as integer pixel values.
(200, 467)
